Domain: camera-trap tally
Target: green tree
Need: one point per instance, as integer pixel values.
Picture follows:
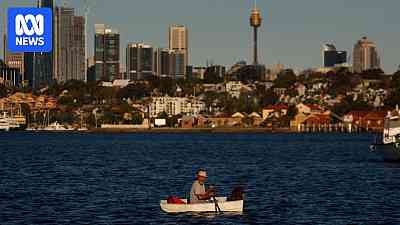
(109, 117)
(133, 91)
(395, 84)
(172, 121)
(211, 77)
(269, 98)
(286, 79)
(292, 112)
(348, 104)
(162, 115)
(340, 82)
(165, 86)
(137, 118)
(3, 91)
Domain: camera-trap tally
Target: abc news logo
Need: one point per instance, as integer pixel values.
(30, 29)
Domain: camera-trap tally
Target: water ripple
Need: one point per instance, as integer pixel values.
(120, 178)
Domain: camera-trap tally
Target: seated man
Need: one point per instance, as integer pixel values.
(198, 193)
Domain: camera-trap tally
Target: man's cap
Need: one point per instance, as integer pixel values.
(202, 173)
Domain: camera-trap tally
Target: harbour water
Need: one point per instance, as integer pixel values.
(120, 178)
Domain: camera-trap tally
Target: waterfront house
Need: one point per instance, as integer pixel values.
(365, 120)
(219, 121)
(239, 115)
(309, 109)
(187, 122)
(279, 110)
(256, 119)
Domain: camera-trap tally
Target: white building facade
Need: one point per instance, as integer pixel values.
(176, 106)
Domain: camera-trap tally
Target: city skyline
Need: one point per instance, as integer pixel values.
(292, 38)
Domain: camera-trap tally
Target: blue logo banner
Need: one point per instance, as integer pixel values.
(30, 29)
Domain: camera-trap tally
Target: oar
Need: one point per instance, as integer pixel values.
(217, 208)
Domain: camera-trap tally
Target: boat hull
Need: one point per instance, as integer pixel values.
(225, 206)
(390, 152)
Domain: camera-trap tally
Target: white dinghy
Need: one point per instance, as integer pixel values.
(222, 206)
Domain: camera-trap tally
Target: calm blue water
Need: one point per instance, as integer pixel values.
(120, 178)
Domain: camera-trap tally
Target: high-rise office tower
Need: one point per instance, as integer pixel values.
(4, 39)
(79, 45)
(139, 61)
(14, 60)
(178, 64)
(170, 63)
(255, 22)
(38, 67)
(365, 56)
(179, 42)
(331, 57)
(69, 49)
(162, 62)
(106, 53)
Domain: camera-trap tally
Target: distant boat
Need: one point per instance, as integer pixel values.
(389, 144)
(4, 124)
(82, 129)
(8, 123)
(57, 127)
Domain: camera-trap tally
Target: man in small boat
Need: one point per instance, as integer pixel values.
(198, 193)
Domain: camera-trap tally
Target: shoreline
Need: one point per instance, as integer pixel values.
(194, 131)
(214, 130)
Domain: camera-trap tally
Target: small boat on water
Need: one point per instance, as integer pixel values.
(58, 127)
(389, 142)
(4, 124)
(222, 205)
(11, 123)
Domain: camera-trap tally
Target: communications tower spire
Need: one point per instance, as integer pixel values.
(255, 22)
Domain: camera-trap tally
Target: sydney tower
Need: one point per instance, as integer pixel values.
(255, 22)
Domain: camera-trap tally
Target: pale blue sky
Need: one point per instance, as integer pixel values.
(292, 32)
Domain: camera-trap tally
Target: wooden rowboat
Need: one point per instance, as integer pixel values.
(224, 206)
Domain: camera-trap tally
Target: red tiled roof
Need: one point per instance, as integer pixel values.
(357, 113)
(318, 119)
(367, 114)
(277, 107)
(314, 107)
(375, 115)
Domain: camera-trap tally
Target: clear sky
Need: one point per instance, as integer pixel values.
(292, 32)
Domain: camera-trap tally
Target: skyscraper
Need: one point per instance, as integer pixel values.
(255, 22)
(14, 60)
(178, 64)
(4, 39)
(139, 61)
(106, 53)
(70, 45)
(38, 67)
(178, 41)
(162, 62)
(331, 57)
(78, 49)
(365, 56)
(170, 63)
